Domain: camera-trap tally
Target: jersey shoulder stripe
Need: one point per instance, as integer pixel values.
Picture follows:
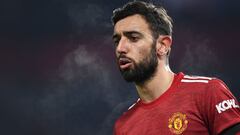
(196, 79)
(134, 104)
(192, 81)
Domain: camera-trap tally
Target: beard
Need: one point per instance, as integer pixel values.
(142, 71)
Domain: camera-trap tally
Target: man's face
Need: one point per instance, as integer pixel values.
(135, 49)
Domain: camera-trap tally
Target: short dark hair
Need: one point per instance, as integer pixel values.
(156, 16)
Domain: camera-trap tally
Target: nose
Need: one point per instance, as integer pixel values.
(122, 46)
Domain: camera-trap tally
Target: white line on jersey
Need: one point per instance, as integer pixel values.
(197, 77)
(134, 104)
(190, 81)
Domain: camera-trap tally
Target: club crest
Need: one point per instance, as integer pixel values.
(177, 123)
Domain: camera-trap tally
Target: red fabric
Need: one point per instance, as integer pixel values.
(187, 108)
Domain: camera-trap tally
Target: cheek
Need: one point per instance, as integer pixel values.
(116, 54)
(142, 54)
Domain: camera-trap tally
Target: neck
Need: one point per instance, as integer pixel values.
(157, 85)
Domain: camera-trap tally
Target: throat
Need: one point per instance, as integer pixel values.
(154, 88)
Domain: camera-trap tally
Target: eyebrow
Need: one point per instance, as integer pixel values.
(127, 33)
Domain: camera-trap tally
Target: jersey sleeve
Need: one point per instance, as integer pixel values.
(116, 127)
(115, 130)
(220, 107)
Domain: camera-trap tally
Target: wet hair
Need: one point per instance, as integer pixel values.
(156, 16)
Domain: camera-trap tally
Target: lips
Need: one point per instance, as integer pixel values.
(124, 63)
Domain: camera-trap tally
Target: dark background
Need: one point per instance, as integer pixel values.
(58, 70)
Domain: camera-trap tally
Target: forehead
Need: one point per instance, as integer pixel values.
(132, 23)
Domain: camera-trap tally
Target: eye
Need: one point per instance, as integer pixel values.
(133, 38)
(116, 41)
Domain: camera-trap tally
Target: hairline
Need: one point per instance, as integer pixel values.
(147, 22)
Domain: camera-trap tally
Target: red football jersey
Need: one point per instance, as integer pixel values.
(193, 105)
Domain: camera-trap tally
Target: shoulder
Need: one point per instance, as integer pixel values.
(208, 90)
(127, 114)
(204, 83)
(196, 84)
(203, 87)
(124, 119)
(193, 79)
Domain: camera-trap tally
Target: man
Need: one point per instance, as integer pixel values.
(169, 103)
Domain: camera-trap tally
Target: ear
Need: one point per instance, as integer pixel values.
(164, 43)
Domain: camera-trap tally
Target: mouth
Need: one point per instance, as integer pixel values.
(124, 63)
